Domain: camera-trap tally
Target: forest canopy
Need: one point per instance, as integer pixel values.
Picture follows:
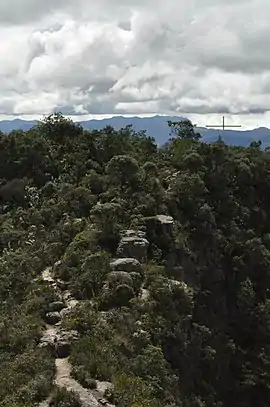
(187, 323)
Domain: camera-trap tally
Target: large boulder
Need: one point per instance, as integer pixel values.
(52, 318)
(127, 264)
(133, 246)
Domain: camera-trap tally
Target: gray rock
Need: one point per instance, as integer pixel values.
(52, 318)
(56, 306)
(48, 338)
(165, 219)
(57, 264)
(133, 246)
(127, 264)
(116, 278)
(64, 340)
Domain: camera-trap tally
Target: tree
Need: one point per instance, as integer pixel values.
(59, 129)
(184, 130)
(122, 170)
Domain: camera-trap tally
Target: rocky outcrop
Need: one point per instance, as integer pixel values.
(123, 282)
(133, 245)
(166, 223)
(127, 264)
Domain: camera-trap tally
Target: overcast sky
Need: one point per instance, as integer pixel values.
(194, 58)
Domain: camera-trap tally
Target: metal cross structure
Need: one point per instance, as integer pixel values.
(223, 124)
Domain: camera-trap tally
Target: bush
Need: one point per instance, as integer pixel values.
(64, 398)
(133, 391)
(84, 378)
(25, 378)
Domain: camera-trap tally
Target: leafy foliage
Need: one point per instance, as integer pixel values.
(200, 334)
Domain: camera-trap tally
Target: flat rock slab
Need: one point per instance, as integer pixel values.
(165, 219)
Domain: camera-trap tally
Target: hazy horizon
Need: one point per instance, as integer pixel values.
(213, 119)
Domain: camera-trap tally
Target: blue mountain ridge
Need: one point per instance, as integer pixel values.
(157, 127)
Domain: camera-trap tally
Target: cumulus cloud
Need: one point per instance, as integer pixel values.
(143, 56)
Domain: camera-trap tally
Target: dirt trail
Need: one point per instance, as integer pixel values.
(63, 379)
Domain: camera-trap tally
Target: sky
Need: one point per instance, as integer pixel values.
(198, 59)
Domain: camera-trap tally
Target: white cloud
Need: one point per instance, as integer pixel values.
(107, 57)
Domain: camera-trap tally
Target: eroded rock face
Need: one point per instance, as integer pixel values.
(133, 247)
(127, 264)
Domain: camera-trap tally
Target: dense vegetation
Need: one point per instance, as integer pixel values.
(201, 336)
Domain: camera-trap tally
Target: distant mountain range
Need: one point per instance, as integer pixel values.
(157, 127)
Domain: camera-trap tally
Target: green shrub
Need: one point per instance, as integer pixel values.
(84, 378)
(64, 398)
